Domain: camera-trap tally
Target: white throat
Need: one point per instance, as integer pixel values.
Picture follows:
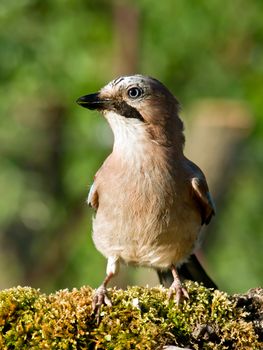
(130, 135)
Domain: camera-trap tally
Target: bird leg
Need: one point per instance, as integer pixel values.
(177, 288)
(101, 296)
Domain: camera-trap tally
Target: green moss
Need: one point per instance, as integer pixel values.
(140, 318)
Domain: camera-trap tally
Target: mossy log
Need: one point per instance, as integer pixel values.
(140, 318)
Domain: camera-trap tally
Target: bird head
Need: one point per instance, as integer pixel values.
(140, 105)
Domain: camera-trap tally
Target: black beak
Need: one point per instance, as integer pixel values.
(92, 101)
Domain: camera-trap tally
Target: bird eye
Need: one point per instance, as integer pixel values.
(135, 92)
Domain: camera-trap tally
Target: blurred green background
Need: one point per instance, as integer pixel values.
(52, 52)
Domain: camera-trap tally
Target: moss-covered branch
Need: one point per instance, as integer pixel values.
(140, 318)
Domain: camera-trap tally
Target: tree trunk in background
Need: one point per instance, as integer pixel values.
(219, 129)
(126, 36)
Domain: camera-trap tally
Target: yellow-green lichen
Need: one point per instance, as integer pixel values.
(140, 318)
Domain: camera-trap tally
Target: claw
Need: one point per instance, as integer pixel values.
(180, 293)
(100, 298)
(177, 288)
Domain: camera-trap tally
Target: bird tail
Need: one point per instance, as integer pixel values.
(190, 270)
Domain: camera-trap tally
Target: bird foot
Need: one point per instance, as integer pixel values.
(100, 298)
(179, 291)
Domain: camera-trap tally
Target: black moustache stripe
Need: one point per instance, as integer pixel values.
(127, 111)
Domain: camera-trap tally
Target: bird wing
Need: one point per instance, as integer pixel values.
(93, 197)
(203, 198)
